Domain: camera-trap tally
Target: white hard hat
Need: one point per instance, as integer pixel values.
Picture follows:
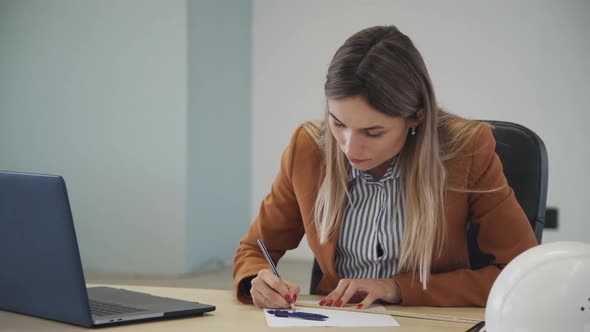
(544, 289)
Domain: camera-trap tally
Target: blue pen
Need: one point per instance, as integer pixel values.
(298, 314)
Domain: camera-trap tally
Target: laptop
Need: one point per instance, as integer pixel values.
(40, 268)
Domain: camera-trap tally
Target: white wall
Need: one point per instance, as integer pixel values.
(524, 61)
(96, 91)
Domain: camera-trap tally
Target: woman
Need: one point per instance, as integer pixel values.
(384, 190)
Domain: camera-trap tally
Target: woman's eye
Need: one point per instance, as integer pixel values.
(373, 135)
(339, 125)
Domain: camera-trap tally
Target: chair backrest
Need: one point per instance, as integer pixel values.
(524, 159)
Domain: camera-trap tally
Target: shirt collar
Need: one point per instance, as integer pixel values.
(391, 173)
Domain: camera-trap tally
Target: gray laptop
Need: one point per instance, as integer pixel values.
(40, 268)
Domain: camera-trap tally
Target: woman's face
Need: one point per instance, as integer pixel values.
(368, 138)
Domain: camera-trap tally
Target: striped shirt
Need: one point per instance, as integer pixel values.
(369, 243)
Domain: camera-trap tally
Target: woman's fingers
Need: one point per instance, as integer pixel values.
(365, 291)
(260, 300)
(294, 290)
(333, 298)
(269, 291)
(277, 284)
(367, 301)
(266, 297)
(355, 290)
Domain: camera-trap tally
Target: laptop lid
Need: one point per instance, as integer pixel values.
(40, 268)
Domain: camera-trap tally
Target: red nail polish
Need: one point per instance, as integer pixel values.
(288, 298)
(338, 304)
(359, 306)
(322, 302)
(295, 298)
(330, 303)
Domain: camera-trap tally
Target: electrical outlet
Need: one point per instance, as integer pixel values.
(551, 218)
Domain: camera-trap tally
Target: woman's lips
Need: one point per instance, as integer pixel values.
(357, 161)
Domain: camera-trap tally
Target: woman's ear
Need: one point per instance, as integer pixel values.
(418, 119)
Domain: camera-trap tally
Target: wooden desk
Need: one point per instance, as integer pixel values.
(231, 315)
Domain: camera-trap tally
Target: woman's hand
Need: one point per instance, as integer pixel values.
(269, 291)
(365, 291)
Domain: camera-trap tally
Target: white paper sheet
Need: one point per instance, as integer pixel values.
(337, 318)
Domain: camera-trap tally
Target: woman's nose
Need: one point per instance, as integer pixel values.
(352, 145)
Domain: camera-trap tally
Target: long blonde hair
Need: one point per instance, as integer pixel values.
(382, 65)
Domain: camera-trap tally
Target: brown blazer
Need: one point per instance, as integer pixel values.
(286, 215)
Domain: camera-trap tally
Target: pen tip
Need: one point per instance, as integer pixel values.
(292, 305)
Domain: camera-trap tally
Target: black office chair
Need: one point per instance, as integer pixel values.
(525, 163)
